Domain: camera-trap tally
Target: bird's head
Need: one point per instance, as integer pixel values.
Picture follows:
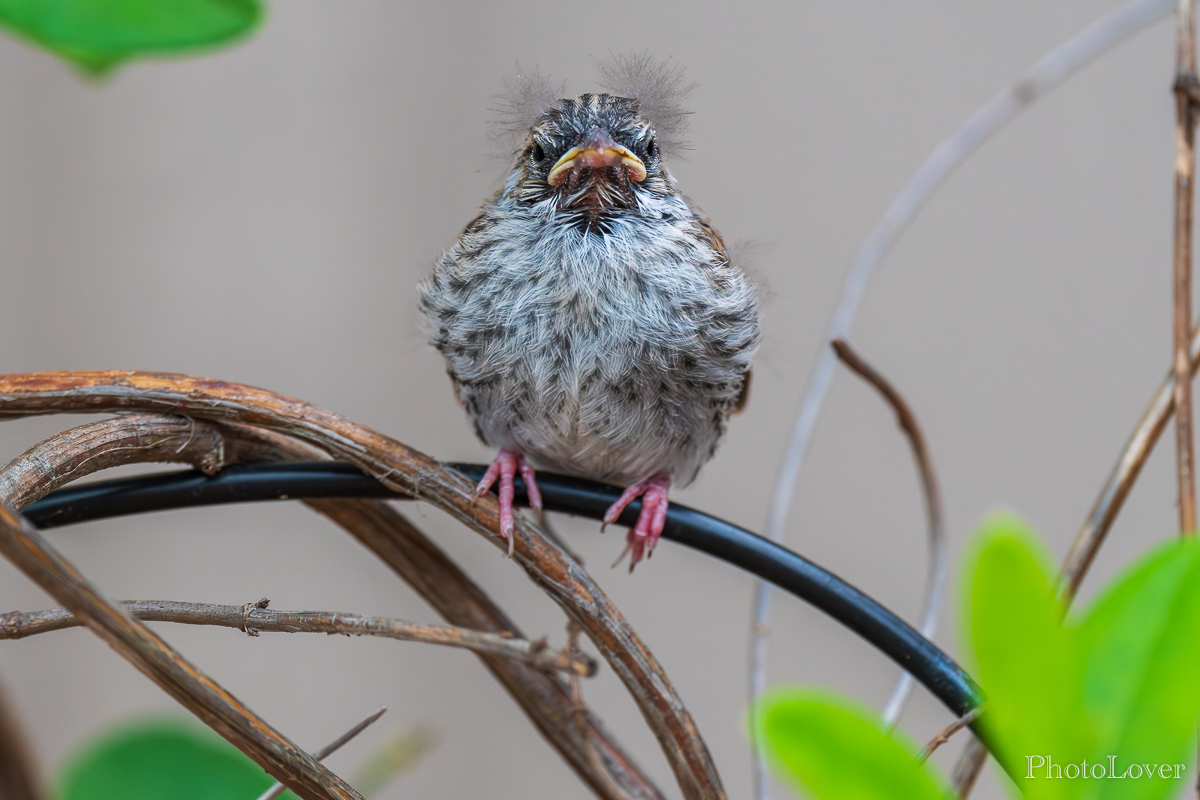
(594, 155)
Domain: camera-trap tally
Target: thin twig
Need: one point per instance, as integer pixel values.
(944, 737)
(949, 155)
(406, 470)
(415, 559)
(1185, 170)
(1099, 521)
(337, 743)
(579, 710)
(330, 749)
(968, 767)
(936, 581)
(254, 618)
(221, 711)
(1185, 173)
(1121, 479)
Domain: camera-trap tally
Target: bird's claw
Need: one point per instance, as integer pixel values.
(505, 467)
(642, 538)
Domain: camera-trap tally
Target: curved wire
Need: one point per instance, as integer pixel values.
(765, 559)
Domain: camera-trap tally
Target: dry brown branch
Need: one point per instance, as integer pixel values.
(967, 768)
(330, 749)
(19, 778)
(403, 469)
(257, 618)
(1055, 67)
(545, 699)
(142, 438)
(394, 540)
(1099, 521)
(933, 507)
(1185, 173)
(220, 710)
(908, 422)
(579, 710)
(944, 736)
(1185, 170)
(134, 438)
(1120, 481)
(127, 439)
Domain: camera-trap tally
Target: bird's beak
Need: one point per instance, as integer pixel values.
(598, 151)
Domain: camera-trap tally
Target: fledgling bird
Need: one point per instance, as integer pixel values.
(591, 320)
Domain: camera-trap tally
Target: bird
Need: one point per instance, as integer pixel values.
(591, 318)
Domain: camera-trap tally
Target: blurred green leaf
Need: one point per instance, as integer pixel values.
(160, 759)
(1027, 662)
(1140, 643)
(99, 34)
(398, 754)
(1092, 708)
(833, 749)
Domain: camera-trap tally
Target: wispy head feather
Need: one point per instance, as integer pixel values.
(526, 98)
(660, 89)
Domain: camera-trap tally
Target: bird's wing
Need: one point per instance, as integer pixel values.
(718, 244)
(744, 395)
(714, 237)
(454, 383)
(472, 226)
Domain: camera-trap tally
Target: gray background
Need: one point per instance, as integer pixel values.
(262, 215)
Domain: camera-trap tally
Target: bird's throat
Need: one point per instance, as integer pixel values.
(595, 192)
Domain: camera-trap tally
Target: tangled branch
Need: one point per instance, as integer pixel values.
(254, 618)
(580, 738)
(403, 469)
(194, 690)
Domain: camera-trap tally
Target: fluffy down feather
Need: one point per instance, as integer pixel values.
(526, 98)
(659, 87)
(660, 90)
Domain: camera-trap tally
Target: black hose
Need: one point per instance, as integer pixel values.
(758, 556)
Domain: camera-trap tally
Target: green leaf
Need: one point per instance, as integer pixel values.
(1099, 708)
(834, 749)
(99, 34)
(157, 759)
(1141, 645)
(1028, 663)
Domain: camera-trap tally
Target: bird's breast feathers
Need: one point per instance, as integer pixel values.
(606, 348)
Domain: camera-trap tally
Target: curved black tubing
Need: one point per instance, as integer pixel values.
(280, 481)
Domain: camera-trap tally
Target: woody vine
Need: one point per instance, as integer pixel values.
(211, 425)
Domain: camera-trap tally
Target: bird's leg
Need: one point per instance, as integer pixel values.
(644, 536)
(531, 487)
(505, 467)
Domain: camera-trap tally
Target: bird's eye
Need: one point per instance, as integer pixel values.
(651, 148)
(538, 153)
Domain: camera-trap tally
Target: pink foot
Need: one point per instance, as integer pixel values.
(505, 467)
(644, 536)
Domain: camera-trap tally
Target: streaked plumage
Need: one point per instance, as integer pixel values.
(591, 321)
